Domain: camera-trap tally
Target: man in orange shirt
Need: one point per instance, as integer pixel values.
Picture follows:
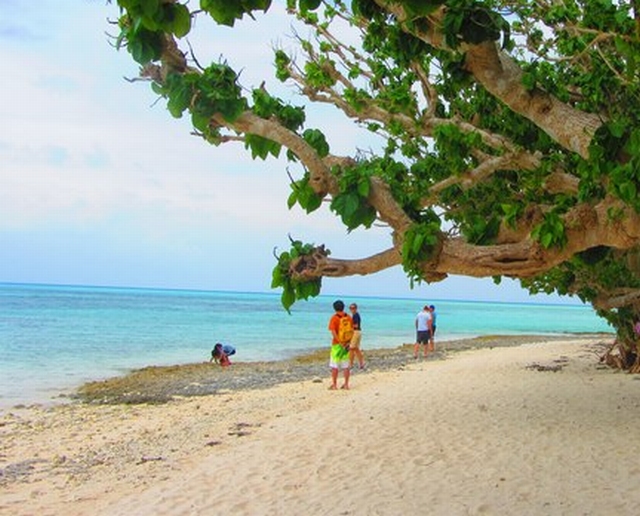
(339, 358)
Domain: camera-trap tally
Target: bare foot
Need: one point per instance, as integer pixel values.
(333, 388)
(345, 387)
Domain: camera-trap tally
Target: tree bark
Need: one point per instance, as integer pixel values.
(502, 77)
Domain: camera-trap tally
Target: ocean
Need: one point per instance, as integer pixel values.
(54, 338)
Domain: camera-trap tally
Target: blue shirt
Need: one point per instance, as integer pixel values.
(356, 321)
(228, 349)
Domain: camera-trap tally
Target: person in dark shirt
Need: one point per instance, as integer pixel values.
(354, 346)
(432, 344)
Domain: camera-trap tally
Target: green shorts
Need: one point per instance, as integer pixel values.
(339, 358)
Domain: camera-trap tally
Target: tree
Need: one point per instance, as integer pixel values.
(512, 142)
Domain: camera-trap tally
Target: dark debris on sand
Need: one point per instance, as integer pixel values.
(160, 384)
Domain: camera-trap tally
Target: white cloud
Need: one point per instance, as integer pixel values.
(101, 186)
(77, 155)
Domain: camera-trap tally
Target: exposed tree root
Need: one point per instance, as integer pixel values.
(619, 357)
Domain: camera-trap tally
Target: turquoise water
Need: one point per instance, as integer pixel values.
(56, 337)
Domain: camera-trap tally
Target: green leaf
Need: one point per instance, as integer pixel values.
(317, 75)
(261, 147)
(416, 245)
(181, 20)
(364, 186)
(307, 198)
(179, 93)
(309, 5)
(282, 62)
(628, 191)
(276, 277)
(145, 46)
(529, 80)
(420, 8)
(288, 298)
(149, 7)
(292, 199)
(225, 12)
(199, 121)
(618, 127)
(351, 204)
(316, 139)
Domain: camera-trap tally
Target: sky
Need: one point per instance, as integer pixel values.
(101, 186)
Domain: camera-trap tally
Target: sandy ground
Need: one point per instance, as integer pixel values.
(539, 429)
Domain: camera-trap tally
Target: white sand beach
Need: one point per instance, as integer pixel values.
(489, 431)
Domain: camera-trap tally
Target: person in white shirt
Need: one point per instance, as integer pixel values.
(424, 321)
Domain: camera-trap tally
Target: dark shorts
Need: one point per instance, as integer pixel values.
(423, 337)
(433, 330)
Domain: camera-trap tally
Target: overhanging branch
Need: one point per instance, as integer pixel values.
(502, 77)
(588, 227)
(318, 264)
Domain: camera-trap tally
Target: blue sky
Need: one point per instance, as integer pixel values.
(101, 186)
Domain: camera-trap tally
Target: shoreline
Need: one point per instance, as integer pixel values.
(537, 427)
(161, 384)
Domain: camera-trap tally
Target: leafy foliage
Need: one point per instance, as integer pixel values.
(304, 195)
(294, 289)
(524, 154)
(351, 203)
(146, 21)
(420, 244)
(226, 13)
(550, 232)
(474, 22)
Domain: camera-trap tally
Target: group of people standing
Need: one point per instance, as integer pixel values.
(346, 336)
(345, 343)
(425, 331)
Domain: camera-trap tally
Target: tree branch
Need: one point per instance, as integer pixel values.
(318, 264)
(607, 301)
(502, 77)
(587, 227)
(321, 178)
